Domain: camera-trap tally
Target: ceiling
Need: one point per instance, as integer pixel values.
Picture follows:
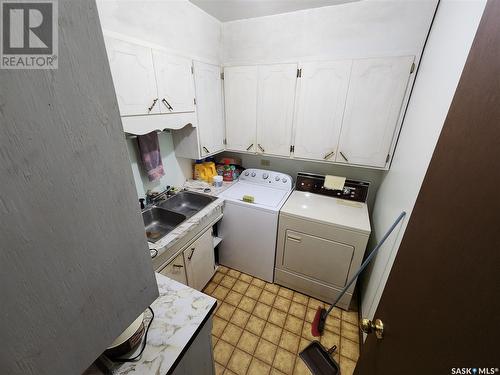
(230, 10)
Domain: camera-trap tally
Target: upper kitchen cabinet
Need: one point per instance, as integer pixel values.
(175, 83)
(155, 90)
(210, 111)
(133, 77)
(321, 96)
(372, 112)
(275, 105)
(240, 94)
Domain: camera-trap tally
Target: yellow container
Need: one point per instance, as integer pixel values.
(200, 172)
(210, 170)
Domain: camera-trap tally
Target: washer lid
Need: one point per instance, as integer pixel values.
(264, 196)
(329, 210)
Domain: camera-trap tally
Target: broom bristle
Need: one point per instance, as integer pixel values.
(318, 324)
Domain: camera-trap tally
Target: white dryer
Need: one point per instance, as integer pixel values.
(322, 237)
(248, 229)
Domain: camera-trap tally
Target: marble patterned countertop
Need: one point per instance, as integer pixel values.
(179, 312)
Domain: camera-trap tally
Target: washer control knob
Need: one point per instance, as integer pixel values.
(247, 173)
(253, 174)
(277, 178)
(265, 176)
(284, 180)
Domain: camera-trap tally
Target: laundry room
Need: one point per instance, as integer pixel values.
(249, 186)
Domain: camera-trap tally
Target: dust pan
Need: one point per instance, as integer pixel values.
(318, 359)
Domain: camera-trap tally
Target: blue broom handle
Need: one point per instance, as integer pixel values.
(367, 260)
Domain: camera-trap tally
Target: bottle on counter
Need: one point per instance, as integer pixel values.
(228, 172)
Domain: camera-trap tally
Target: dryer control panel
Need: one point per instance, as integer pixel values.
(272, 179)
(313, 183)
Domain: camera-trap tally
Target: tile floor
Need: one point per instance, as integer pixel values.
(259, 328)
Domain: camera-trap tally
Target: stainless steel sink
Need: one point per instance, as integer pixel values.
(187, 202)
(159, 221)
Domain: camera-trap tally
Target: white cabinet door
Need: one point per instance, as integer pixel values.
(240, 93)
(376, 92)
(208, 86)
(176, 270)
(320, 105)
(200, 261)
(275, 103)
(133, 77)
(175, 83)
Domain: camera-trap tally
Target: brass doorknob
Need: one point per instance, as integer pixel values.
(367, 326)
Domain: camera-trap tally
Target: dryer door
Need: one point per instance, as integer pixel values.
(317, 258)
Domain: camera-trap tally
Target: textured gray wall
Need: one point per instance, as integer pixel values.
(74, 264)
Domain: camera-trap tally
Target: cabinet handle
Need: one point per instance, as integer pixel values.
(177, 266)
(167, 104)
(342, 154)
(192, 252)
(261, 148)
(294, 238)
(327, 156)
(152, 105)
(249, 147)
(206, 150)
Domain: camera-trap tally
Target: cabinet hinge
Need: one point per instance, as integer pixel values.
(192, 69)
(222, 75)
(225, 141)
(292, 148)
(388, 158)
(299, 73)
(194, 101)
(412, 69)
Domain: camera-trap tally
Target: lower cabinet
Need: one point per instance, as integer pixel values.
(175, 270)
(200, 261)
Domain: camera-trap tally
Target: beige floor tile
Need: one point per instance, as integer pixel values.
(219, 369)
(258, 282)
(225, 311)
(239, 362)
(336, 312)
(310, 313)
(350, 316)
(265, 351)
(214, 340)
(227, 281)
(253, 292)
(231, 334)
(349, 349)
(289, 341)
(255, 325)
(314, 303)
(271, 332)
(273, 288)
(248, 342)
(246, 278)
(277, 317)
(297, 310)
(247, 304)
(306, 332)
(329, 339)
(229, 372)
(240, 318)
(222, 269)
(220, 292)
(234, 273)
(218, 326)
(350, 331)
(303, 344)
(300, 368)
(275, 371)
(284, 361)
(240, 286)
(347, 366)
(233, 298)
(282, 303)
(222, 352)
(267, 297)
(258, 367)
(293, 324)
(261, 310)
(285, 292)
(217, 277)
(333, 324)
(300, 298)
(210, 287)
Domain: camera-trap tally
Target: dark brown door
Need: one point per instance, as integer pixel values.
(441, 306)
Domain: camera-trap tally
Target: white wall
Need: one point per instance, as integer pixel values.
(442, 63)
(360, 29)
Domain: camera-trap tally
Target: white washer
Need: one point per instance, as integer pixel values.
(249, 230)
(322, 238)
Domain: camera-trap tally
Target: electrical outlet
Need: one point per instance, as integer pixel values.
(265, 162)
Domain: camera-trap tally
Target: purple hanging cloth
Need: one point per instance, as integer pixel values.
(149, 148)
